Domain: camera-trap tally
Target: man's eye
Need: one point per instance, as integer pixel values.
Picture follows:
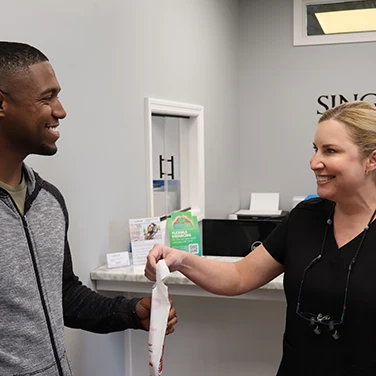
(49, 97)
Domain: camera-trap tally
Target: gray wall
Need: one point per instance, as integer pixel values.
(109, 56)
(234, 58)
(279, 87)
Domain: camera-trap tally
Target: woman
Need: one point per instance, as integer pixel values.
(327, 251)
(151, 230)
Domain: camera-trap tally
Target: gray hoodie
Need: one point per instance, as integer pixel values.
(39, 292)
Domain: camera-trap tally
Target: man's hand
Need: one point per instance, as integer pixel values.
(143, 309)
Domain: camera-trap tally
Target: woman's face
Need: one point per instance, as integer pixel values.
(337, 163)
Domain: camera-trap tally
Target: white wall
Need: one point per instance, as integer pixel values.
(279, 87)
(108, 56)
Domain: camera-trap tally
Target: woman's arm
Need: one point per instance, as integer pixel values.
(218, 277)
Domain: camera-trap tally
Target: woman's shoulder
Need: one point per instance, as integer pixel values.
(316, 204)
(310, 211)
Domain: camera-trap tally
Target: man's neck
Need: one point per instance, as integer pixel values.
(10, 172)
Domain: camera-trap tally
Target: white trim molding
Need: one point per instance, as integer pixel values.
(192, 167)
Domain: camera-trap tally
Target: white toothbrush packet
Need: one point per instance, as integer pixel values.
(160, 308)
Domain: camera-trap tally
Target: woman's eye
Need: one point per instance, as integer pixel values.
(329, 150)
(315, 149)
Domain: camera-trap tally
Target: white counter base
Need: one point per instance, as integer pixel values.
(235, 336)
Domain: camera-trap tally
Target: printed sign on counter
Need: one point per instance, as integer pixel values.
(117, 260)
(144, 233)
(184, 232)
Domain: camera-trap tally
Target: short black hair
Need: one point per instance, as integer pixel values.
(15, 56)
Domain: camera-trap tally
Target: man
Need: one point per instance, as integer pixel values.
(39, 292)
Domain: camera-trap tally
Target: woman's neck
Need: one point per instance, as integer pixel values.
(362, 206)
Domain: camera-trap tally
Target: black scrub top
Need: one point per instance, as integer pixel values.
(295, 243)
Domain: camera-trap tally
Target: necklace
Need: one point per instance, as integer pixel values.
(316, 321)
(364, 232)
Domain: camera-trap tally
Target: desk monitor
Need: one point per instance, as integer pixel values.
(228, 237)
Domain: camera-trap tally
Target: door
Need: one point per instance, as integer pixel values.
(166, 164)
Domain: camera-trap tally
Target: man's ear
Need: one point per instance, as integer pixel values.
(1, 104)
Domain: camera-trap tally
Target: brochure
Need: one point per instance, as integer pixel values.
(184, 232)
(144, 233)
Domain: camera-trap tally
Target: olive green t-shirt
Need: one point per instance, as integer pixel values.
(18, 193)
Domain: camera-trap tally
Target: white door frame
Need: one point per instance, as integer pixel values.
(191, 146)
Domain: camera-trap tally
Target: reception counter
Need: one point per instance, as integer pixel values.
(215, 335)
(132, 279)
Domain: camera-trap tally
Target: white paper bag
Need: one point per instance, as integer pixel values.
(160, 308)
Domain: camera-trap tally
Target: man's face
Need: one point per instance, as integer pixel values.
(31, 112)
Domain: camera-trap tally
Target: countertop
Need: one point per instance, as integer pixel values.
(131, 279)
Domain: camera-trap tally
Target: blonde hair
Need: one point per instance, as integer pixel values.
(360, 121)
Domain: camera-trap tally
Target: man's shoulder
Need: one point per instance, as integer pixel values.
(48, 186)
(37, 183)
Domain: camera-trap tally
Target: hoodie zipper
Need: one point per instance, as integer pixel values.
(26, 228)
(45, 311)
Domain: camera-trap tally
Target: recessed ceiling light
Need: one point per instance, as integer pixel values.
(347, 21)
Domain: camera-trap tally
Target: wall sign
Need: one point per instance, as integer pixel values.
(327, 101)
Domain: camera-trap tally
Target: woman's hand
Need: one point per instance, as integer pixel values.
(173, 258)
